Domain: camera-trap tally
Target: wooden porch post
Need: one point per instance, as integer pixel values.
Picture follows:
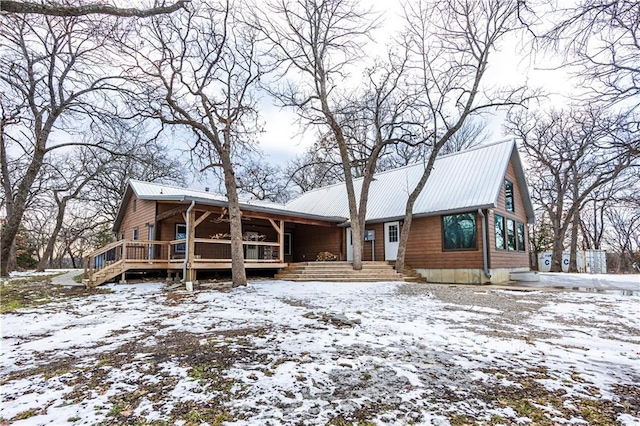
(280, 231)
(281, 241)
(191, 235)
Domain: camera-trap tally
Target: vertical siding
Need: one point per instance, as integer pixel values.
(379, 242)
(506, 258)
(144, 215)
(424, 248)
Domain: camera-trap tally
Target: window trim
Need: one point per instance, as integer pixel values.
(520, 225)
(475, 232)
(507, 183)
(182, 247)
(515, 238)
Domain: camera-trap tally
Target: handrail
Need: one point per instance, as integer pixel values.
(251, 243)
(106, 248)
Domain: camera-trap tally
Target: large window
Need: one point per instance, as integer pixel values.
(181, 233)
(520, 235)
(500, 234)
(511, 234)
(459, 231)
(508, 196)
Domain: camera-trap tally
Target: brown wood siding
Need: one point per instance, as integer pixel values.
(144, 215)
(424, 248)
(379, 243)
(309, 240)
(507, 258)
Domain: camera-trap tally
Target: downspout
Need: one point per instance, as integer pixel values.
(485, 244)
(186, 243)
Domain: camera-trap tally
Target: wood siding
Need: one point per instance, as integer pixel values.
(424, 249)
(144, 216)
(309, 240)
(508, 258)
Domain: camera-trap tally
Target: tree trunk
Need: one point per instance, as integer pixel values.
(556, 258)
(238, 273)
(573, 254)
(48, 251)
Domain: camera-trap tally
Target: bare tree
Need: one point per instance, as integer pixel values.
(52, 70)
(572, 153)
(317, 44)
(69, 10)
(601, 41)
(473, 132)
(450, 42)
(198, 71)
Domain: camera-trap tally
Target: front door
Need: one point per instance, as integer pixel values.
(349, 246)
(391, 240)
(252, 250)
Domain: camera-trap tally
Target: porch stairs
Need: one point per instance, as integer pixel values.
(105, 274)
(340, 272)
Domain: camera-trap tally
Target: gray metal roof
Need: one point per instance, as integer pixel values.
(462, 181)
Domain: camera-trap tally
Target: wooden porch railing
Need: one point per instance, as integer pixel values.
(173, 252)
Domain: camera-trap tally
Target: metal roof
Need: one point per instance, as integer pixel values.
(463, 181)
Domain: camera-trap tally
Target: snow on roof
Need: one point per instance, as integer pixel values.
(465, 180)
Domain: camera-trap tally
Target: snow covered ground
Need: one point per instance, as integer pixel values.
(595, 282)
(278, 352)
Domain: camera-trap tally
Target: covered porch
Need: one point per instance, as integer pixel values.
(183, 239)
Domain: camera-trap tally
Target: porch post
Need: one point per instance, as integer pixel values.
(281, 241)
(280, 231)
(191, 235)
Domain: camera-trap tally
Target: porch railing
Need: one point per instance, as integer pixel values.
(173, 252)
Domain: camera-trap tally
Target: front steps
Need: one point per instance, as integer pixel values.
(339, 272)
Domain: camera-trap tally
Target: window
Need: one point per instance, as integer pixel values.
(181, 233)
(393, 233)
(500, 237)
(122, 235)
(135, 234)
(520, 235)
(459, 231)
(287, 244)
(135, 205)
(511, 234)
(508, 196)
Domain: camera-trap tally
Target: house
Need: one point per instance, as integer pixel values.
(469, 223)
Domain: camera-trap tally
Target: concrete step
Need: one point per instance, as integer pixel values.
(338, 275)
(343, 279)
(339, 272)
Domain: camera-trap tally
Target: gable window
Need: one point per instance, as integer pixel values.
(287, 243)
(511, 234)
(135, 234)
(135, 205)
(500, 234)
(181, 234)
(520, 236)
(459, 231)
(508, 196)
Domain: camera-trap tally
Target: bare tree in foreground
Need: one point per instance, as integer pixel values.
(198, 71)
(450, 42)
(317, 44)
(53, 73)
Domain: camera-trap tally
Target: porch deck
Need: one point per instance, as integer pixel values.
(207, 254)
